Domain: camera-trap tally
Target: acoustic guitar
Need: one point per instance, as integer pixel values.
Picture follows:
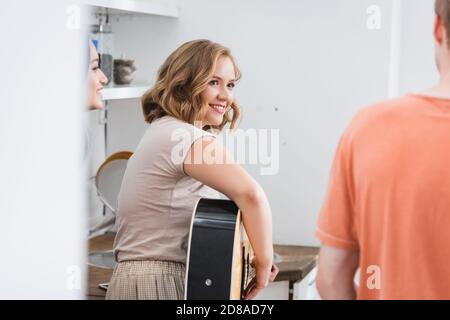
(218, 263)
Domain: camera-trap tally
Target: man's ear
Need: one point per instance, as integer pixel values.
(439, 30)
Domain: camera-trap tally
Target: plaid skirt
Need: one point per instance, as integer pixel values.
(147, 280)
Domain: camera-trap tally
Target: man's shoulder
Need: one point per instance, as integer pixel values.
(382, 113)
(385, 110)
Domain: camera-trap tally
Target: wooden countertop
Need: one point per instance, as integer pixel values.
(296, 263)
(99, 275)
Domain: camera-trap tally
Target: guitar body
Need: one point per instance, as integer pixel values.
(217, 261)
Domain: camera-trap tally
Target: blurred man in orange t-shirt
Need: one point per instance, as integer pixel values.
(387, 210)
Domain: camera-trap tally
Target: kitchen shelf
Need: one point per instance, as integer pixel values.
(135, 6)
(131, 91)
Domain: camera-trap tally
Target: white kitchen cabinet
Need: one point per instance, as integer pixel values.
(137, 7)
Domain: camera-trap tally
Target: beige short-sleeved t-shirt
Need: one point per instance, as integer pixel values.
(157, 198)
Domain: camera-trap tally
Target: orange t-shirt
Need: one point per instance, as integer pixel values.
(389, 197)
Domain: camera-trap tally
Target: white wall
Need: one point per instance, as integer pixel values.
(314, 60)
(417, 69)
(42, 208)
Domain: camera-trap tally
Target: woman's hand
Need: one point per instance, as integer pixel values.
(273, 272)
(264, 275)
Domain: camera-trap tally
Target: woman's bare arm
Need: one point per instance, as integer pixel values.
(219, 171)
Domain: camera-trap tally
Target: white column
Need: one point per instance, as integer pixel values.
(395, 47)
(42, 207)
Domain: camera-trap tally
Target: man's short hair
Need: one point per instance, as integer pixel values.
(442, 8)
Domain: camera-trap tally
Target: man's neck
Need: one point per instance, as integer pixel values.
(441, 90)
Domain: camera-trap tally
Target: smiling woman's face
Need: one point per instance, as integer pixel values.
(96, 80)
(218, 95)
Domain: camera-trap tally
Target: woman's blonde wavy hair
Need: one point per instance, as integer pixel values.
(181, 80)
